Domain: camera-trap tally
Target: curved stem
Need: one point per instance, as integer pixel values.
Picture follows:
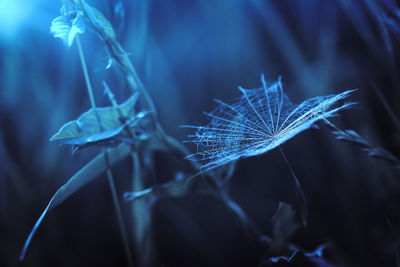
(301, 199)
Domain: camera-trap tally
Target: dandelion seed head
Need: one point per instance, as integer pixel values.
(260, 120)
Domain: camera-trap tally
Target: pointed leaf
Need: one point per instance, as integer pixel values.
(78, 180)
(88, 173)
(102, 126)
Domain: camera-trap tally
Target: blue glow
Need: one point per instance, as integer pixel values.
(14, 14)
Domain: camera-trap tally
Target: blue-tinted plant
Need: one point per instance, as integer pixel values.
(261, 120)
(353, 137)
(121, 130)
(108, 126)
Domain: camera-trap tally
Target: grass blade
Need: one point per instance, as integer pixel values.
(88, 173)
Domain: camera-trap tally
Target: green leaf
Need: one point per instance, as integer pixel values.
(103, 126)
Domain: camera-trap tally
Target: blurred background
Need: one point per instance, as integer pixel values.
(187, 53)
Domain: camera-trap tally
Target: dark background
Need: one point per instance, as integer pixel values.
(187, 53)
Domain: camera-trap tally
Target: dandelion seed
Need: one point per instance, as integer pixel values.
(259, 121)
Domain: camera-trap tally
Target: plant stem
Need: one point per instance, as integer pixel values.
(85, 73)
(140, 215)
(109, 173)
(301, 199)
(118, 210)
(132, 71)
